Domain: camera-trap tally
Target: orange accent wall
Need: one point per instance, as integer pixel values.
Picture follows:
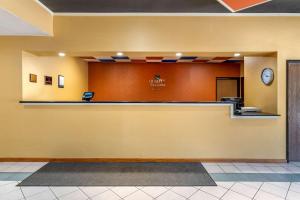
(241, 4)
(130, 81)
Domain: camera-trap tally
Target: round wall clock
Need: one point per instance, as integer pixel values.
(267, 76)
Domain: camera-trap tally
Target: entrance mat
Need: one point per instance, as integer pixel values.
(120, 174)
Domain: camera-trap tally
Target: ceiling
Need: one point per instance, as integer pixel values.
(11, 24)
(164, 59)
(165, 6)
(96, 54)
(158, 57)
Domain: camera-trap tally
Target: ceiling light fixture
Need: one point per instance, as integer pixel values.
(61, 54)
(120, 54)
(178, 54)
(237, 55)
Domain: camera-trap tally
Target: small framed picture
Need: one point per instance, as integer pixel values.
(32, 78)
(61, 81)
(48, 80)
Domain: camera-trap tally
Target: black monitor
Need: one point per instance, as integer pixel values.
(87, 96)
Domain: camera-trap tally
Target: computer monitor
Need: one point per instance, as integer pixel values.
(87, 96)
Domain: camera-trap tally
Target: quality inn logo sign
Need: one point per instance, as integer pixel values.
(157, 82)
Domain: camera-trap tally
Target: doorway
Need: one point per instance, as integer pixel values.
(228, 87)
(293, 110)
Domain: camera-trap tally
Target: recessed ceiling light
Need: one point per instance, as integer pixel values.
(178, 54)
(61, 54)
(237, 55)
(120, 54)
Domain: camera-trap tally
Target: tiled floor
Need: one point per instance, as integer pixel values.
(12, 173)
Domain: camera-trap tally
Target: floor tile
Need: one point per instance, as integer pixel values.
(18, 176)
(184, 191)
(154, 191)
(261, 195)
(8, 187)
(293, 169)
(60, 191)
(138, 195)
(200, 195)
(273, 189)
(16, 168)
(7, 182)
(214, 169)
(216, 191)
(263, 169)
(276, 164)
(198, 187)
(230, 195)
(225, 164)
(30, 168)
(169, 195)
(229, 169)
(108, 195)
(3, 166)
(277, 169)
(13, 195)
(208, 163)
(256, 185)
(77, 195)
(295, 163)
(293, 195)
(4, 176)
(244, 190)
(93, 191)
(295, 187)
(23, 163)
(124, 191)
(30, 191)
(246, 169)
(46, 195)
(226, 185)
(240, 164)
(282, 184)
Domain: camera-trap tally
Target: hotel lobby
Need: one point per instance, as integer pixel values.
(140, 99)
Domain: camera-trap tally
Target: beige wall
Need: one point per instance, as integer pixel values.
(181, 132)
(256, 93)
(31, 12)
(74, 70)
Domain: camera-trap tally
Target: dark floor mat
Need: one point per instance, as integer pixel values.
(120, 174)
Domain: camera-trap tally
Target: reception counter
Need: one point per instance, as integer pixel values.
(160, 130)
(232, 112)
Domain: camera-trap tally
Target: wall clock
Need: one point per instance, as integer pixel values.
(267, 76)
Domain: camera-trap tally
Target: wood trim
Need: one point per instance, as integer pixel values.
(287, 146)
(178, 160)
(288, 62)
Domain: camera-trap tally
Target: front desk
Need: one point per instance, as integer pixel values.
(232, 112)
(204, 131)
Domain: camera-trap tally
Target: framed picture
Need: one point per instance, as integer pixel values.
(61, 81)
(48, 80)
(32, 78)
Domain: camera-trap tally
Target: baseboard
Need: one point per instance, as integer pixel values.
(142, 160)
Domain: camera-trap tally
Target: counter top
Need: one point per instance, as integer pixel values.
(249, 114)
(124, 102)
(233, 113)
